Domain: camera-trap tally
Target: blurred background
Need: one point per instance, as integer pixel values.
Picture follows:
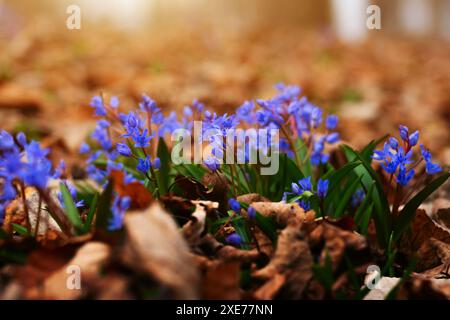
(224, 52)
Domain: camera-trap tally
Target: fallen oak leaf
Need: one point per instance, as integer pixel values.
(283, 212)
(140, 197)
(211, 246)
(88, 261)
(293, 259)
(222, 281)
(194, 228)
(154, 246)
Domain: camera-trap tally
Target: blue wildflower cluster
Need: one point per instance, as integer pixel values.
(396, 157)
(22, 164)
(303, 186)
(296, 117)
(133, 135)
(119, 206)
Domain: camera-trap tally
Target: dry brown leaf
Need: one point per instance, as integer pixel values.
(155, 246)
(292, 259)
(194, 228)
(222, 281)
(283, 212)
(139, 195)
(336, 242)
(269, 289)
(90, 258)
(211, 246)
(423, 228)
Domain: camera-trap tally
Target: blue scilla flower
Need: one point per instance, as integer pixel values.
(286, 92)
(8, 192)
(144, 164)
(149, 105)
(305, 204)
(118, 209)
(331, 122)
(322, 188)
(84, 148)
(212, 163)
(245, 112)
(142, 140)
(251, 212)
(21, 139)
(357, 198)
(234, 239)
(234, 205)
(101, 136)
(114, 102)
(410, 139)
(302, 186)
(430, 166)
(98, 105)
(123, 149)
(404, 175)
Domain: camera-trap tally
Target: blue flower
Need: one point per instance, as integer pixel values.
(118, 209)
(245, 112)
(142, 140)
(84, 148)
(156, 163)
(101, 135)
(404, 175)
(251, 212)
(123, 149)
(393, 143)
(148, 105)
(144, 164)
(331, 122)
(430, 166)
(21, 139)
(114, 102)
(404, 132)
(357, 198)
(332, 137)
(97, 103)
(322, 188)
(234, 239)
(212, 163)
(302, 186)
(413, 138)
(234, 205)
(305, 204)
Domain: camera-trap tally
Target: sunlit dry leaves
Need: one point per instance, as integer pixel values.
(336, 242)
(382, 288)
(193, 229)
(87, 263)
(212, 247)
(283, 212)
(139, 195)
(252, 197)
(418, 287)
(221, 281)
(40, 265)
(292, 259)
(155, 246)
(269, 289)
(423, 228)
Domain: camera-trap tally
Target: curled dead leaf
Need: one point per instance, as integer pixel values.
(155, 246)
